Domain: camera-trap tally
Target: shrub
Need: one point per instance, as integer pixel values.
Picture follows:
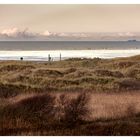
(131, 110)
(34, 110)
(76, 110)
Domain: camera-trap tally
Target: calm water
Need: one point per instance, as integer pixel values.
(38, 51)
(68, 45)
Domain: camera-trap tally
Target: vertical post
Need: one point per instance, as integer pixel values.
(49, 58)
(60, 56)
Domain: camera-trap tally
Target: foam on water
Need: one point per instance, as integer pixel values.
(43, 55)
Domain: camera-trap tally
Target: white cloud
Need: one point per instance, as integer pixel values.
(129, 34)
(46, 33)
(17, 33)
(26, 34)
(126, 34)
(62, 34)
(10, 31)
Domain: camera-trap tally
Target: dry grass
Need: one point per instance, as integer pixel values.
(68, 113)
(71, 97)
(113, 75)
(114, 106)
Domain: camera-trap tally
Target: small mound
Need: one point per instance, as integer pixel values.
(70, 70)
(95, 81)
(16, 67)
(134, 73)
(117, 65)
(48, 73)
(10, 90)
(31, 109)
(34, 103)
(124, 64)
(134, 58)
(129, 84)
(78, 74)
(116, 74)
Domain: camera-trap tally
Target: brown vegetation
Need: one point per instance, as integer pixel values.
(71, 114)
(99, 75)
(71, 97)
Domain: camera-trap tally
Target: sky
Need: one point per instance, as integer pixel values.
(64, 21)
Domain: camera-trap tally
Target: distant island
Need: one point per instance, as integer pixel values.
(133, 40)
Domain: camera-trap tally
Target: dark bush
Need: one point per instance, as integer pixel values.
(76, 109)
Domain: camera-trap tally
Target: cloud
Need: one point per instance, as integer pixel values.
(17, 34)
(127, 34)
(27, 35)
(10, 32)
(46, 33)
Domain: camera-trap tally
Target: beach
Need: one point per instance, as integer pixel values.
(38, 55)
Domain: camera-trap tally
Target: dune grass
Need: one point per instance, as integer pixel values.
(99, 75)
(71, 97)
(71, 114)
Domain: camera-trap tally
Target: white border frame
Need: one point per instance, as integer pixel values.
(69, 1)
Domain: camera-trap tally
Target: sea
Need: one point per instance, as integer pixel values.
(40, 50)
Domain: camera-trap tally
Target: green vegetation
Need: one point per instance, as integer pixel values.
(70, 97)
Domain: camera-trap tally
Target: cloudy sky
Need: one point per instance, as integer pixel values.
(69, 21)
